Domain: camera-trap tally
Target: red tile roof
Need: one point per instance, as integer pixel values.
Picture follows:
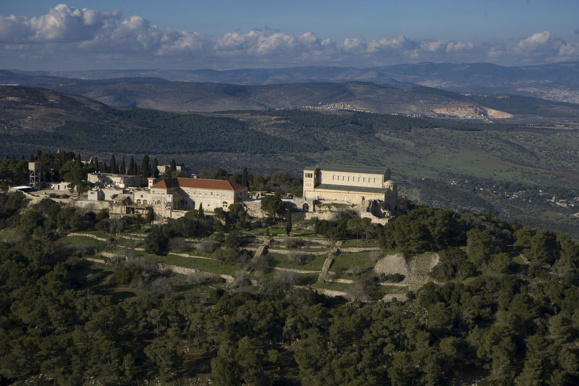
(197, 183)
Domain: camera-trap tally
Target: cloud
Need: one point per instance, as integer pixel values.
(108, 38)
(541, 44)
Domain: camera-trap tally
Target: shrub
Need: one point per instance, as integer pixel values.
(295, 243)
(178, 244)
(208, 246)
(392, 278)
(298, 258)
(284, 280)
(453, 264)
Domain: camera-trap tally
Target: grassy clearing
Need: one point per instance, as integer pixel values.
(390, 289)
(347, 260)
(344, 287)
(342, 275)
(206, 265)
(102, 234)
(519, 260)
(88, 241)
(281, 261)
(360, 243)
(307, 279)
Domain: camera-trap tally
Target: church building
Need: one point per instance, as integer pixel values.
(350, 184)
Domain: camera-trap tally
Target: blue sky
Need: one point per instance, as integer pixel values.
(224, 34)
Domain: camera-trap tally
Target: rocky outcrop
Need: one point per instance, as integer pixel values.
(472, 112)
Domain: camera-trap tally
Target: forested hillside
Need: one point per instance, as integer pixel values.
(502, 308)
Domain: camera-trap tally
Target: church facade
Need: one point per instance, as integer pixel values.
(354, 185)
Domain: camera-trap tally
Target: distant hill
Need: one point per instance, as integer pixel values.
(557, 82)
(396, 98)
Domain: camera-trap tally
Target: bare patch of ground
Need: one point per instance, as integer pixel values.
(416, 269)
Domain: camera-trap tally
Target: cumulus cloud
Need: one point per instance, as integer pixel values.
(541, 44)
(110, 38)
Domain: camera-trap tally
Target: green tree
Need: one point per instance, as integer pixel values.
(155, 168)
(223, 372)
(544, 247)
(123, 168)
(145, 169)
(245, 177)
(166, 356)
(273, 206)
(288, 224)
(479, 246)
(157, 241)
(132, 167)
(114, 168)
(150, 215)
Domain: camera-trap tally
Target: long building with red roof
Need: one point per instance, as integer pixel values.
(191, 193)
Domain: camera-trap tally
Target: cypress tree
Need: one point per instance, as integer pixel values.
(114, 168)
(245, 177)
(288, 224)
(155, 168)
(123, 168)
(132, 170)
(145, 169)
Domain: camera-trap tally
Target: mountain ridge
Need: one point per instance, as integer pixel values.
(403, 99)
(557, 81)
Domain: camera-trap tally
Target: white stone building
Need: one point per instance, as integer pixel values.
(190, 193)
(114, 180)
(356, 185)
